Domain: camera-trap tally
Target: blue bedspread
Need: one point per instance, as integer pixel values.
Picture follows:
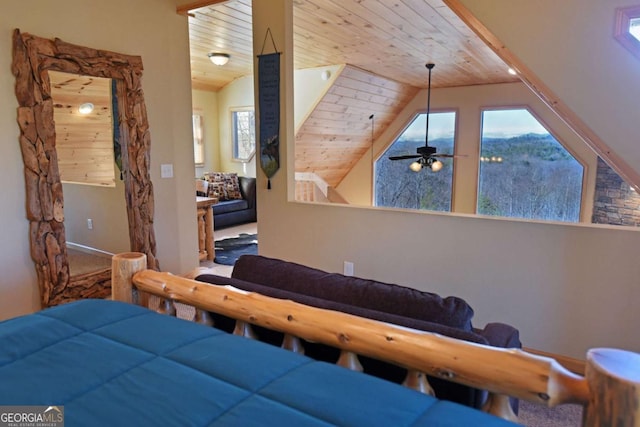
(115, 364)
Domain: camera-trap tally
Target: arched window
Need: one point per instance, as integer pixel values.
(396, 185)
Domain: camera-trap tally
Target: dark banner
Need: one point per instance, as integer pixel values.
(269, 103)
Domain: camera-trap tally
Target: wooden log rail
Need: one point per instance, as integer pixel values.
(609, 391)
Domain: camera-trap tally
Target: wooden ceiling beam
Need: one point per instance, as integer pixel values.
(186, 8)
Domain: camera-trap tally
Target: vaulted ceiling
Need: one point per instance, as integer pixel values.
(383, 44)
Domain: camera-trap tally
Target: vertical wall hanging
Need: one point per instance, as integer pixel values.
(269, 103)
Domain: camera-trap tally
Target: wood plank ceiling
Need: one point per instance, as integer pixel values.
(382, 43)
(84, 142)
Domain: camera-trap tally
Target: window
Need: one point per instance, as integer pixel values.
(634, 28)
(524, 171)
(198, 142)
(243, 125)
(398, 186)
(627, 30)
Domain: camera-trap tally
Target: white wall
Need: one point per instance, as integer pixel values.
(152, 29)
(566, 287)
(106, 207)
(468, 103)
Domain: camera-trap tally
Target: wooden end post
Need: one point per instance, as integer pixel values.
(614, 382)
(123, 267)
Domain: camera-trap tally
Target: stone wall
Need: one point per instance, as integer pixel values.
(615, 202)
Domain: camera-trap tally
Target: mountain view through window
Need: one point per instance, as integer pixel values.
(398, 186)
(524, 171)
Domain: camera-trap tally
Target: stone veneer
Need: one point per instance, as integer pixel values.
(615, 202)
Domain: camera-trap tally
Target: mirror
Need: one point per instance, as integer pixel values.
(33, 57)
(95, 219)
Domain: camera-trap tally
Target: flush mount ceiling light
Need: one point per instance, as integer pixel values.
(219, 58)
(85, 108)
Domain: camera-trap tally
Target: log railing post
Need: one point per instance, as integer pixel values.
(166, 306)
(614, 383)
(203, 317)
(349, 360)
(123, 267)
(500, 406)
(292, 343)
(418, 381)
(244, 329)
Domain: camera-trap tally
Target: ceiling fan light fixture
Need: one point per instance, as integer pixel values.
(415, 166)
(436, 165)
(219, 58)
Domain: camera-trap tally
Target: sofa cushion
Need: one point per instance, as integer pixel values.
(344, 308)
(354, 291)
(229, 206)
(232, 186)
(224, 185)
(216, 185)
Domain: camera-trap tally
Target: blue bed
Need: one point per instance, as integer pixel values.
(112, 363)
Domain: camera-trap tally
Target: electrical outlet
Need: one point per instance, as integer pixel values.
(348, 268)
(90, 224)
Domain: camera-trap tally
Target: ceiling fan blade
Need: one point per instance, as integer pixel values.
(448, 155)
(409, 156)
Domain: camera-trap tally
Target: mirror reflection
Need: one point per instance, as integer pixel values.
(93, 190)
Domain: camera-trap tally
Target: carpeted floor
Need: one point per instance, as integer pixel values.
(83, 262)
(229, 250)
(532, 415)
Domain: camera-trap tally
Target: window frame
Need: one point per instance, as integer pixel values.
(234, 135)
(624, 15)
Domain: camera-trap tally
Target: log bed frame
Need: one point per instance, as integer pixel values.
(609, 391)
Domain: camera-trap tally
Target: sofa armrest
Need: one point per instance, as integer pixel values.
(248, 190)
(500, 335)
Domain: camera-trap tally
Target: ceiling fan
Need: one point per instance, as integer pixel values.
(426, 156)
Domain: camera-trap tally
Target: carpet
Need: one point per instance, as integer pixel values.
(82, 262)
(533, 415)
(229, 250)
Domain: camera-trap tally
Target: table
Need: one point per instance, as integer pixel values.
(205, 227)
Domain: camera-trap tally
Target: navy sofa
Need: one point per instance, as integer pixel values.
(227, 213)
(385, 302)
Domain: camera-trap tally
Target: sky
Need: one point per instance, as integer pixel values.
(440, 125)
(496, 123)
(509, 123)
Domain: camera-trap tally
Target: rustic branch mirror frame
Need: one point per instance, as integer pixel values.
(32, 58)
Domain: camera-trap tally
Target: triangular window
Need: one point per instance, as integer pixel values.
(627, 30)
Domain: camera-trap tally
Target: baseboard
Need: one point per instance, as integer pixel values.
(577, 366)
(89, 250)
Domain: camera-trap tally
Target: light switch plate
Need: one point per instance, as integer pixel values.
(166, 171)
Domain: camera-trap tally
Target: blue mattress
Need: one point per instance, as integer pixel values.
(115, 364)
